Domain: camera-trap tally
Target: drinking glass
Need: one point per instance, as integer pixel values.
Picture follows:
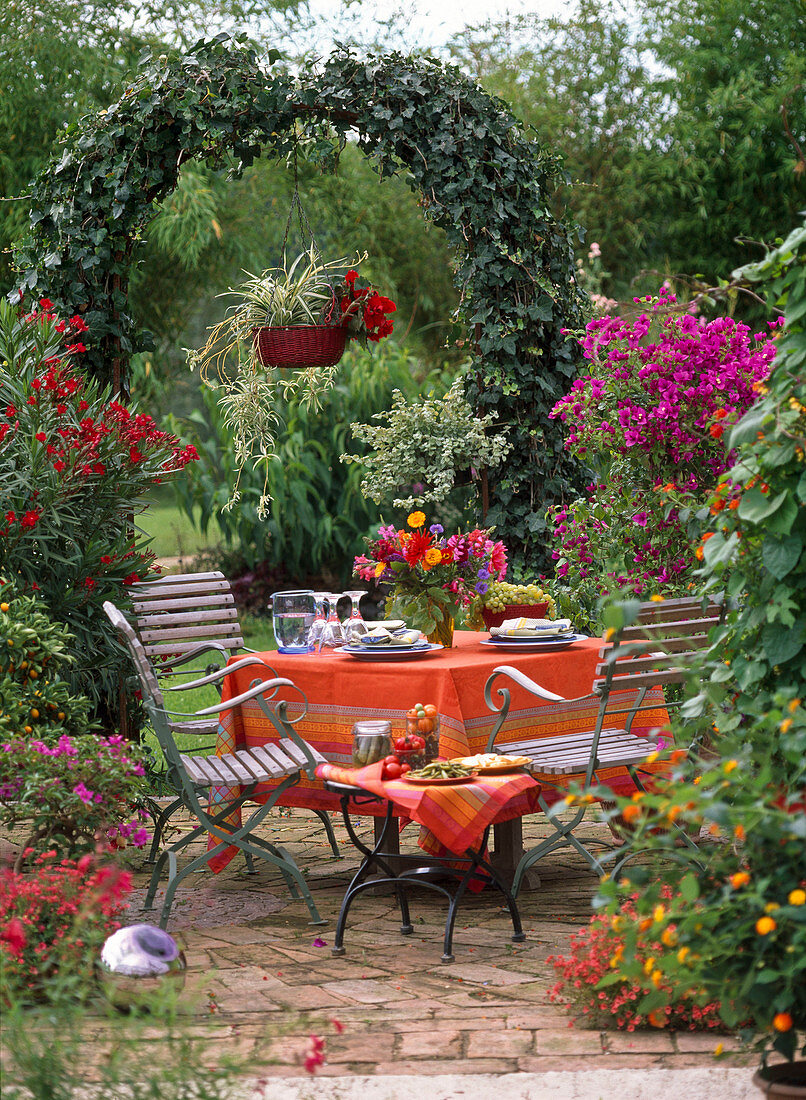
(332, 633)
(293, 615)
(354, 625)
(318, 624)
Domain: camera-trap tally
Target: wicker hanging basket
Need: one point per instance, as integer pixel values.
(296, 346)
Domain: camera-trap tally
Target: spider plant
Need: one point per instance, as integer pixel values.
(302, 294)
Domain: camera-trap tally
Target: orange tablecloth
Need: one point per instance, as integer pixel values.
(342, 690)
(455, 815)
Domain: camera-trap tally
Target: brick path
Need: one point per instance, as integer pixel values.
(254, 967)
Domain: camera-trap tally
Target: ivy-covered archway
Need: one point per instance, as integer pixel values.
(480, 178)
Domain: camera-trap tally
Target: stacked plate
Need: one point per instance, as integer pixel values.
(390, 641)
(541, 635)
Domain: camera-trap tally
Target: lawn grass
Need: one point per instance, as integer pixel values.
(172, 532)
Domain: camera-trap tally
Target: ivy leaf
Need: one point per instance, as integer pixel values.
(782, 645)
(781, 556)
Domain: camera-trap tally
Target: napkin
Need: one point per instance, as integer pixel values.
(380, 636)
(531, 628)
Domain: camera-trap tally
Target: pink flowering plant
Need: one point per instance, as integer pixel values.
(53, 922)
(434, 576)
(74, 466)
(72, 795)
(649, 417)
(592, 975)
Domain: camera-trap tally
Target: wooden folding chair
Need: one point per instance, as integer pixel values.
(655, 650)
(194, 776)
(193, 617)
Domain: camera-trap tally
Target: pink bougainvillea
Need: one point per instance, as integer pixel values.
(650, 417)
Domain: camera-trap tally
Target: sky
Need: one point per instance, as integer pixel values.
(421, 24)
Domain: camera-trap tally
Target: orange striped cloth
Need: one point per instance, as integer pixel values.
(456, 815)
(342, 690)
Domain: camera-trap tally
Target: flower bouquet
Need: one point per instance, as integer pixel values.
(433, 576)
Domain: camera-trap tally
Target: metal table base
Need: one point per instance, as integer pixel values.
(379, 863)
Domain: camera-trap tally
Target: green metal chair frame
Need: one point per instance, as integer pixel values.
(181, 618)
(654, 651)
(283, 760)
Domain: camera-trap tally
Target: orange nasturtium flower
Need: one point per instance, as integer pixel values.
(797, 897)
(765, 925)
(657, 1018)
(739, 879)
(782, 1021)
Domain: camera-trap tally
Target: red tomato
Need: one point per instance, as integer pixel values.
(390, 760)
(405, 769)
(392, 771)
(400, 742)
(418, 742)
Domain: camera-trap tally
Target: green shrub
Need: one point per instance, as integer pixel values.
(35, 699)
(318, 515)
(741, 923)
(73, 465)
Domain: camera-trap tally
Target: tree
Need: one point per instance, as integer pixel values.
(735, 159)
(683, 127)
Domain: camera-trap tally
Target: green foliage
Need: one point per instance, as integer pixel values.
(423, 445)
(53, 921)
(34, 699)
(733, 164)
(738, 919)
(318, 514)
(481, 181)
(682, 124)
(742, 934)
(73, 795)
(72, 468)
(755, 550)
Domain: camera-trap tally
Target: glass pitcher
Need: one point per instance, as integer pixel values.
(292, 617)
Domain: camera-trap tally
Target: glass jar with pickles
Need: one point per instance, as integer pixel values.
(372, 741)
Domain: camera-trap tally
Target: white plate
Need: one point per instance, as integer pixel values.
(389, 653)
(535, 644)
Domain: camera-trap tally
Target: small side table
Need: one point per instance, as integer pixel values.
(381, 861)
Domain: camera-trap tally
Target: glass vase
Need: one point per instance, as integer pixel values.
(442, 633)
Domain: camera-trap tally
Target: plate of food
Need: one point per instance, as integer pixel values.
(493, 763)
(390, 652)
(440, 773)
(537, 644)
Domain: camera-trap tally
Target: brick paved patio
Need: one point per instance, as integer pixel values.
(254, 967)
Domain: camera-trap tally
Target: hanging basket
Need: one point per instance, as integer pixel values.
(299, 345)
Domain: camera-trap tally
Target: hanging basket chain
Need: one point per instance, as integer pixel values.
(304, 227)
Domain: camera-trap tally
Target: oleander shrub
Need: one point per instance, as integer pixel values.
(74, 466)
